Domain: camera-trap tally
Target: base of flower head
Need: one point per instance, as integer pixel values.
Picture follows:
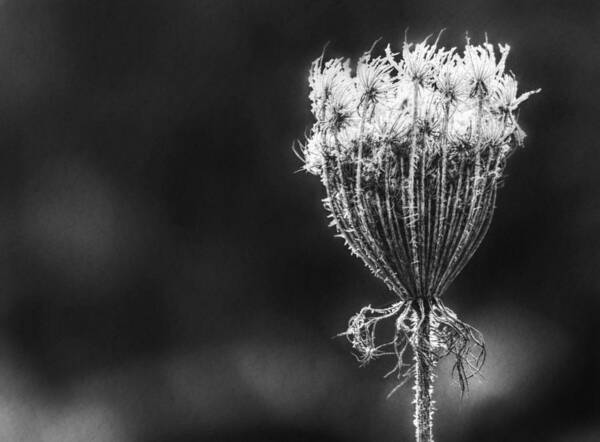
(444, 335)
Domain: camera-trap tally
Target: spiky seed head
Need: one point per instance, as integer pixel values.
(410, 149)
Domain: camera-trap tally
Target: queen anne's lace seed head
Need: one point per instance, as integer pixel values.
(451, 80)
(504, 95)
(373, 80)
(410, 150)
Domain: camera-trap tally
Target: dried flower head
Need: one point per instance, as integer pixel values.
(410, 151)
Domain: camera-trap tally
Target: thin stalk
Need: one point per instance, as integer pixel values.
(410, 197)
(424, 376)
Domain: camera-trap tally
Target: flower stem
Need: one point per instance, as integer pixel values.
(424, 377)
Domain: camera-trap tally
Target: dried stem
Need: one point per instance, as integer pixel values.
(424, 377)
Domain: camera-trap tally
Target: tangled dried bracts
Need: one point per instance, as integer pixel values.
(447, 336)
(410, 149)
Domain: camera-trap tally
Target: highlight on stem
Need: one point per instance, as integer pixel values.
(410, 148)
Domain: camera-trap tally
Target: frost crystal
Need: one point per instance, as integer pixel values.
(410, 150)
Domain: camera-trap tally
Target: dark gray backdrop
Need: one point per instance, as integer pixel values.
(166, 276)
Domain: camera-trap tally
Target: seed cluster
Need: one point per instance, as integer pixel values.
(410, 149)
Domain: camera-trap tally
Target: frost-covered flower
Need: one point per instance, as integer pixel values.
(420, 62)
(323, 79)
(504, 95)
(315, 150)
(373, 79)
(451, 81)
(481, 67)
(410, 150)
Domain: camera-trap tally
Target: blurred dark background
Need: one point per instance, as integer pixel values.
(167, 277)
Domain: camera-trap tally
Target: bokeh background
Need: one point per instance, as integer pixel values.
(166, 276)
